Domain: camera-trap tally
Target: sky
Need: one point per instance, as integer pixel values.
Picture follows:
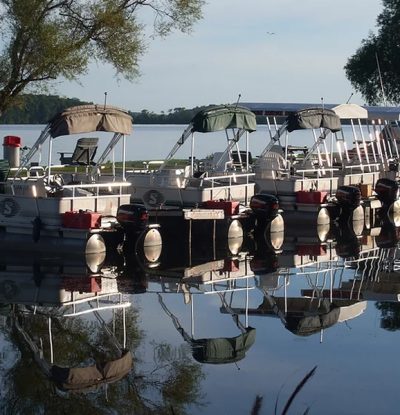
(264, 50)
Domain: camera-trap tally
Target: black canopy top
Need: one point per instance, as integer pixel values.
(314, 118)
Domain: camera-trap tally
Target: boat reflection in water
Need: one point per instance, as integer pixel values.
(220, 269)
(45, 298)
(303, 282)
(318, 259)
(188, 303)
(332, 293)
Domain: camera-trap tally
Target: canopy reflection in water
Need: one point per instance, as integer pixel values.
(59, 291)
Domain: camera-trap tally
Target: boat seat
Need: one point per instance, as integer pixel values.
(220, 162)
(40, 188)
(236, 164)
(309, 168)
(272, 166)
(83, 154)
(4, 172)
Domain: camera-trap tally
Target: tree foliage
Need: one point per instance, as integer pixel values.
(44, 40)
(37, 109)
(390, 317)
(377, 61)
(81, 342)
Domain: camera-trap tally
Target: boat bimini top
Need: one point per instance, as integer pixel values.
(323, 119)
(219, 118)
(84, 119)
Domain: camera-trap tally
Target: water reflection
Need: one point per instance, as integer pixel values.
(70, 331)
(146, 331)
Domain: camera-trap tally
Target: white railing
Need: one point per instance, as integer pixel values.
(365, 168)
(230, 179)
(96, 187)
(319, 172)
(98, 302)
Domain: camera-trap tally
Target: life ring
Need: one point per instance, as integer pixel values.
(9, 289)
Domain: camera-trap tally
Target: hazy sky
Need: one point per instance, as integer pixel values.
(265, 50)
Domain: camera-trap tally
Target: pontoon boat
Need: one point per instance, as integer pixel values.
(68, 201)
(224, 176)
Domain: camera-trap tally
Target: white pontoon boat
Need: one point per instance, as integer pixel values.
(344, 162)
(225, 176)
(66, 201)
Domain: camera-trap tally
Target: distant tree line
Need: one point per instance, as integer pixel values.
(39, 109)
(36, 109)
(178, 115)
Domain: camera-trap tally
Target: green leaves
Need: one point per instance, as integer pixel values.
(374, 70)
(47, 39)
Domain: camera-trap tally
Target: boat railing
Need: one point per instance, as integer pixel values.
(22, 186)
(319, 172)
(364, 168)
(96, 189)
(107, 301)
(228, 285)
(307, 181)
(228, 179)
(221, 277)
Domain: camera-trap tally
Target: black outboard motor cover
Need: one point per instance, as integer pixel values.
(387, 191)
(348, 196)
(264, 205)
(133, 217)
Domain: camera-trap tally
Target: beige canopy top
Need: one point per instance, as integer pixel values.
(89, 118)
(349, 111)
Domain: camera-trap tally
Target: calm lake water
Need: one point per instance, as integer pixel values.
(211, 326)
(147, 142)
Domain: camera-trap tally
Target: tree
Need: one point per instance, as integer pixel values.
(48, 39)
(169, 385)
(376, 63)
(390, 315)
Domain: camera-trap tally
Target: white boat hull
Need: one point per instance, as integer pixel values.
(173, 190)
(20, 209)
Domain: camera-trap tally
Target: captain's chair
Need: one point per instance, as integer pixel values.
(4, 172)
(240, 162)
(83, 154)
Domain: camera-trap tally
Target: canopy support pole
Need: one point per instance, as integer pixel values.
(274, 139)
(123, 157)
(49, 157)
(232, 143)
(185, 135)
(192, 157)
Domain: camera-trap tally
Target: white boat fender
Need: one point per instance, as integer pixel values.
(37, 225)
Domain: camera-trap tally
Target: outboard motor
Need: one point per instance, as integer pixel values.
(264, 206)
(387, 191)
(348, 196)
(133, 218)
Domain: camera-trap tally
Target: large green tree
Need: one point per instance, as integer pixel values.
(44, 40)
(374, 70)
